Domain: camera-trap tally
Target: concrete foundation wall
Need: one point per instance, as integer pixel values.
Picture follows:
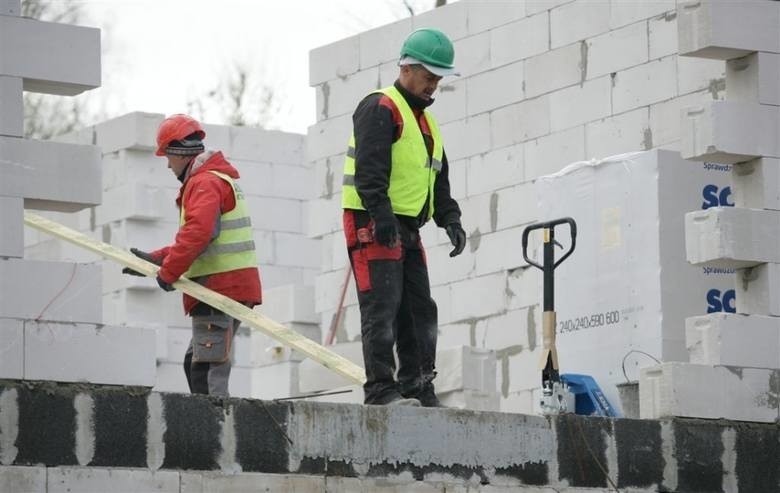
(60, 437)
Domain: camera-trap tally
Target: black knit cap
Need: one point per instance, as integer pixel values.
(188, 146)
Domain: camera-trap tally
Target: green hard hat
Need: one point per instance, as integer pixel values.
(430, 48)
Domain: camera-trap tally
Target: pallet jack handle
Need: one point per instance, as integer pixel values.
(548, 362)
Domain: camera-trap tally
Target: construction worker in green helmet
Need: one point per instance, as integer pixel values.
(396, 178)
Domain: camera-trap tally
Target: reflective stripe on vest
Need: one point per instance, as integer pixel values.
(413, 172)
(233, 248)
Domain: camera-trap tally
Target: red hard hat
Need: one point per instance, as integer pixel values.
(176, 127)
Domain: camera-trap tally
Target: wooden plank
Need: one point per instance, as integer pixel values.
(279, 332)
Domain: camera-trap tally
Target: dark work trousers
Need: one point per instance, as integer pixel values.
(210, 377)
(396, 308)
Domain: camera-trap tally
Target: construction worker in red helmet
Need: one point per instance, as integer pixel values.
(214, 247)
(396, 178)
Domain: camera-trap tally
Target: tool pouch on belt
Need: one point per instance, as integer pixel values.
(362, 247)
(210, 342)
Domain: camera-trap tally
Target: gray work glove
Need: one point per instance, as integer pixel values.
(457, 238)
(140, 254)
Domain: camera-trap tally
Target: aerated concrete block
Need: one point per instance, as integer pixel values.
(734, 340)
(708, 28)
(11, 349)
(465, 305)
(51, 175)
(618, 134)
(465, 368)
(51, 58)
(171, 378)
(757, 290)
(136, 131)
(116, 355)
(11, 106)
(578, 20)
(729, 132)
(732, 237)
(265, 382)
(253, 348)
(756, 184)
(59, 291)
(340, 96)
(323, 216)
(475, 400)
(617, 50)
(662, 33)
(643, 85)
(710, 392)
(467, 137)
(554, 69)
(622, 13)
(334, 60)
(380, 45)
(754, 78)
(12, 227)
(291, 303)
(314, 377)
(132, 200)
(694, 74)
(329, 137)
(580, 104)
(519, 122)
(275, 214)
(520, 39)
(484, 85)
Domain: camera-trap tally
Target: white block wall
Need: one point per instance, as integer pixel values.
(543, 85)
(137, 209)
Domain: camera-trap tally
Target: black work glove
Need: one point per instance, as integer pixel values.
(457, 238)
(140, 254)
(386, 231)
(164, 285)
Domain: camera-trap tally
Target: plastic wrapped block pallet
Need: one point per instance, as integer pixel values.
(627, 286)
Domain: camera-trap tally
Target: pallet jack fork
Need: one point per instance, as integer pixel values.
(556, 396)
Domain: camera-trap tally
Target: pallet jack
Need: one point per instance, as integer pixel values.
(557, 398)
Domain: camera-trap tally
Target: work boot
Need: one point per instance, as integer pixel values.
(428, 397)
(401, 401)
(425, 395)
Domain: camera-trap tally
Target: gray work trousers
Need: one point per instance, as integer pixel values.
(210, 377)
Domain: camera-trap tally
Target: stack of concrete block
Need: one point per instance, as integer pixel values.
(734, 358)
(138, 210)
(543, 84)
(51, 318)
(263, 368)
(467, 378)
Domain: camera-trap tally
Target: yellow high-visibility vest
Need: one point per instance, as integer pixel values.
(234, 246)
(413, 172)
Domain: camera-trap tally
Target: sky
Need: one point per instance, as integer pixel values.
(165, 56)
